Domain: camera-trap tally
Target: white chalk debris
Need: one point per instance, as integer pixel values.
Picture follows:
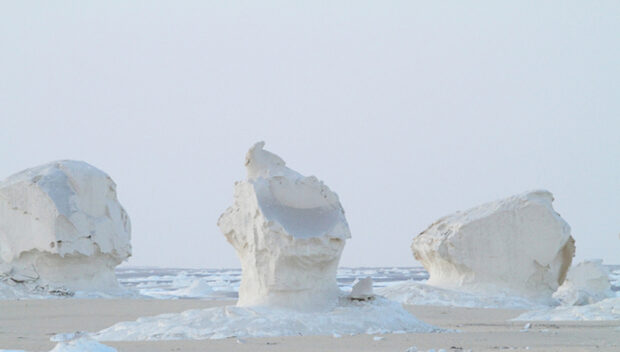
(288, 231)
(518, 245)
(62, 229)
(362, 289)
(379, 316)
(418, 293)
(586, 283)
(607, 309)
(82, 345)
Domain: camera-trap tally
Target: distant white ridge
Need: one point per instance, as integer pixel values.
(288, 231)
(518, 245)
(62, 229)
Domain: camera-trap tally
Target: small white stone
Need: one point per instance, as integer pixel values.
(362, 289)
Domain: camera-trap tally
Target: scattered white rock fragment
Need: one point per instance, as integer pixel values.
(68, 336)
(82, 345)
(378, 338)
(607, 309)
(518, 245)
(362, 289)
(288, 231)
(526, 327)
(412, 349)
(586, 283)
(62, 228)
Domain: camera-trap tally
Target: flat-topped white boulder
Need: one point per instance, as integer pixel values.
(518, 245)
(586, 283)
(288, 231)
(62, 227)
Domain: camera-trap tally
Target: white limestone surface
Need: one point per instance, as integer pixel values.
(518, 245)
(377, 316)
(607, 309)
(586, 283)
(77, 345)
(288, 231)
(62, 229)
(82, 345)
(422, 294)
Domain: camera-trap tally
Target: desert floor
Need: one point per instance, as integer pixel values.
(28, 325)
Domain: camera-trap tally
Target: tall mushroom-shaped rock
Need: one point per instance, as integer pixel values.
(289, 232)
(61, 226)
(516, 245)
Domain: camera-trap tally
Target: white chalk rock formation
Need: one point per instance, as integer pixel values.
(288, 231)
(62, 228)
(362, 289)
(586, 283)
(518, 245)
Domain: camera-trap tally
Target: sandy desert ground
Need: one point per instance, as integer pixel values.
(28, 325)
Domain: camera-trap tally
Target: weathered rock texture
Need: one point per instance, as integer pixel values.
(62, 227)
(288, 231)
(516, 245)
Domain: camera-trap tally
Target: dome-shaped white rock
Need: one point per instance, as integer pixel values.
(517, 245)
(288, 231)
(586, 283)
(61, 225)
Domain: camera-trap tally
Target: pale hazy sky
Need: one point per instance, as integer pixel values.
(408, 110)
